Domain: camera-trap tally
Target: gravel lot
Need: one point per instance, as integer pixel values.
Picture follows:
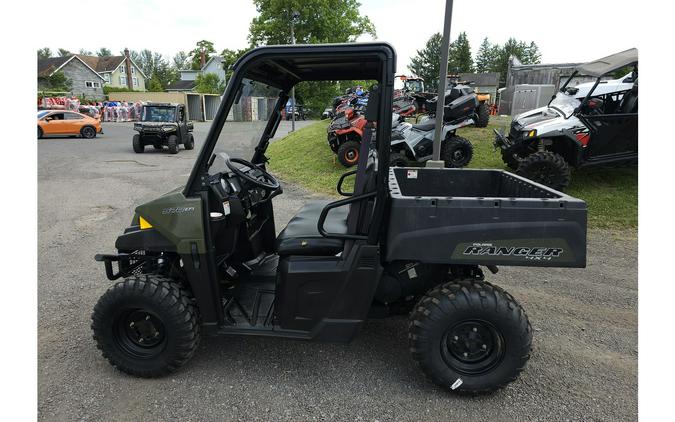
(583, 366)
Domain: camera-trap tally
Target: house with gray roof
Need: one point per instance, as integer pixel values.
(85, 80)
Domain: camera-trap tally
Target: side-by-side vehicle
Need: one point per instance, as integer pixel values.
(592, 124)
(207, 258)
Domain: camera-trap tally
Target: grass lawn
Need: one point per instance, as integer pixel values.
(304, 158)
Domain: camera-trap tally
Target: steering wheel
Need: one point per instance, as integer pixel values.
(263, 179)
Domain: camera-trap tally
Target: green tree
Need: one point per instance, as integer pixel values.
(63, 52)
(154, 85)
(486, 56)
(319, 21)
(427, 62)
(196, 54)
(104, 52)
(209, 83)
(230, 57)
(181, 60)
(85, 52)
(459, 58)
(44, 53)
(56, 82)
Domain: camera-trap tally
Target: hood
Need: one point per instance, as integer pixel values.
(536, 116)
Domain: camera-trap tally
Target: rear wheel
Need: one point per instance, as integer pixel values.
(88, 132)
(456, 151)
(146, 326)
(483, 115)
(470, 337)
(190, 143)
(172, 143)
(348, 153)
(547, 168)
(398, 159)
(137, 144)
(40, 133)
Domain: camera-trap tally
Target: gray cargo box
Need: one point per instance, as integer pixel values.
(484, 217)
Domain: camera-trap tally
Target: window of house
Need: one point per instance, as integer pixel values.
(123, 80)
(133, 70)
(106, 76)
(122, 69)
(89, 84)
(135, 80)
(97, 84)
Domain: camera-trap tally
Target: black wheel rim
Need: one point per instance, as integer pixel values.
(472, 347)
(458, 156)
(88, 132)
(139, 333)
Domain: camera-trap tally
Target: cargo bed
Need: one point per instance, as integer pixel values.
(484, 217)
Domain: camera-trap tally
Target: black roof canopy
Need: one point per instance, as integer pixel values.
(609, 64)
(285, 65)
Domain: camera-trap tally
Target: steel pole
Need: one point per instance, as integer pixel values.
(442, 84)
(292, 89)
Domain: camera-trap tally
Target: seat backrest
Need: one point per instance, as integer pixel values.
(358, 219)
(629, 102)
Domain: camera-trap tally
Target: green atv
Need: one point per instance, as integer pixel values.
(163, 125)
(206, 258)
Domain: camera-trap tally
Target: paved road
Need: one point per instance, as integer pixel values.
(583, 366)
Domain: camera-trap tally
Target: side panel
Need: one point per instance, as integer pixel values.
(487, 232)
(327, 296)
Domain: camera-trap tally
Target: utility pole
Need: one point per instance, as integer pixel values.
(442, 84)
(295, 15)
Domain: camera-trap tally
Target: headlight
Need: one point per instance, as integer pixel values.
(532, 133)
(168, 128)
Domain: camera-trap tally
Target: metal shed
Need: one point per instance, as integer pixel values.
(484, 83)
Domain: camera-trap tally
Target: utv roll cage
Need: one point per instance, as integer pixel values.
(601, 67)
(283, 67)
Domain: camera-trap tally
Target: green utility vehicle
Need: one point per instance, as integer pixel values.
(163, 125)
(207, 258)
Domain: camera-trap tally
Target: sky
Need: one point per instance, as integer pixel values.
(167, 26)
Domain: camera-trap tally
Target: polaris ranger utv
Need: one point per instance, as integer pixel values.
(588, 125)
(163, 124)
(206, 258)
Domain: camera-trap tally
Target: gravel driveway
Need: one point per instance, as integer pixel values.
(583, 366)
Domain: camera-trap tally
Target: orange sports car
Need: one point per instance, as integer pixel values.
(62, 122)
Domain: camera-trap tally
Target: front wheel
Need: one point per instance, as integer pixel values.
(137, 144)
(470, 337)
(456, 152)
(146, 326)
(190, 142)
(547, 168)
(348, 153)
(398, 159)
(40, 133)
(172, 143)
(88, 132)
(483, 115)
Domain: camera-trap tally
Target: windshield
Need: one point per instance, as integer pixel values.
(564, 103)
(246, 121)
(42, 114)
(414, 85)
(158, 114)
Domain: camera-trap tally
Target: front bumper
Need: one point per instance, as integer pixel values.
(501, 141)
